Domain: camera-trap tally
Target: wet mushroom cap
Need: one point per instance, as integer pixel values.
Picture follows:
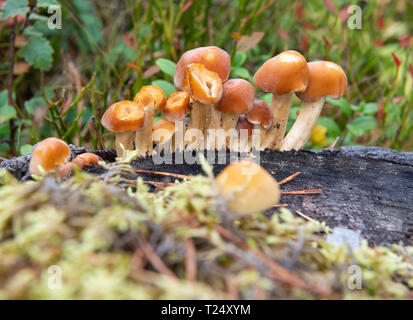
(327, 79)
(202, 84)
(213, 58)
(244, 124)
(150, 95)
(237, 97)
(260, 114)
(86, 159)
(177, 106)
(247, 187)
(123, 116)
(163, 130)
(49, 154)
(285, 73)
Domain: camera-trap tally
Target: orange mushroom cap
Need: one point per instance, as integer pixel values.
(86, 159)
(123, 116)
(213, 58)
(237, 97)
(244, 124)
(247, 187)
(177, 106)
(202, 84)
(150, 95)
(160, 128)
(49, 154)
(285, 73)
(260, 114)
(327, 79)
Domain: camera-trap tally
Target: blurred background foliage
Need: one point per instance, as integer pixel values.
(64, 79)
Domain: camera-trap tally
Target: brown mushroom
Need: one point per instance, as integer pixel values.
(237, 98)
(244, 129)
(247, 188)
(176, 109)
(281, 75)
(149, 98)
(48, 155)
(327, 79)
(163, 135)
(82, 160)
(261, 117)
(124, 118)
(205, 88)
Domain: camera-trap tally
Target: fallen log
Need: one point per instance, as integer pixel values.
(368, 189)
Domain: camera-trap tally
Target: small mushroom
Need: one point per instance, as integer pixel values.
(48, 155)
(176, 109)
(204, 87)
(244, 129)
(281, 75)
(214, 59)
(247, 188)
(237, 98)
(163, 134)
(327, 79)
(149, 98)
(261, 117)
(82, 160)
(124, 118)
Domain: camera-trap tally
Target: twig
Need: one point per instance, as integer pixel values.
(168, 174)
(159, 184)
(305, 216)
(288, 179)
(298, 192)
(190, 262)
(333, 145)
(280, 205)
(99, 136)
(153, 258)
(10, 86)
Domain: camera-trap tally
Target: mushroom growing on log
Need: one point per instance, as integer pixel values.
(282, 75)
(204, 87)
(261, 117)
(327, 79)
(124, 118)
(148, 98)
(214, 59)
(246, 187)
(237, 98)
(48, 155)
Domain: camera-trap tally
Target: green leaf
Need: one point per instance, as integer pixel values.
(371, 108)
(342, 104)
(47, 3)
(266, 97)
(6, 113)
(25, 149)
(166, 66)
(332, 127)
(34, 103)
(362, 124)
(241, 73)
(239, 59)
(165, 86)
(38, 53)
(12, 8)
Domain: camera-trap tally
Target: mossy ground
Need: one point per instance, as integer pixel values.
(114, 239)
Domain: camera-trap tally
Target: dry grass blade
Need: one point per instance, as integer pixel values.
(277, 272)
(168, 174)
(190, 262)
(153, 258)
(280, 205)
(289, 178)
(298, 192)
(305, 216)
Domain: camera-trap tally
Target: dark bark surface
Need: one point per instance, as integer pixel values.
(364, 188)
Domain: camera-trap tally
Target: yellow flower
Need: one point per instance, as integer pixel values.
(318, 137)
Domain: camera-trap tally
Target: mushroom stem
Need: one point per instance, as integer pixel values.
(143, 138)
(212, 121)
(280, 106)
(262, 133)
(126, 139)
(180, 129)
(197, 124)
(302, 128)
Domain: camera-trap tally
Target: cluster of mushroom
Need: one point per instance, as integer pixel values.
(222, 109)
